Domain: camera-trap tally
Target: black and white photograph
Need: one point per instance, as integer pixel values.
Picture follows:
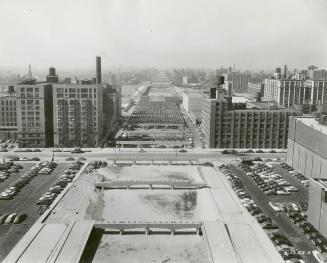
(163, 131)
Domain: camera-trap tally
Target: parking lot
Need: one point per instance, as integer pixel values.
(24, 202)
(286, 227)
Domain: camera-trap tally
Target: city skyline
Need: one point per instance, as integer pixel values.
(252, 34)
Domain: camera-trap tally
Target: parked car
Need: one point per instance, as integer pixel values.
(77, 150)
(276, 206)
(20, 218)
(320, 257)
(3, 218)
(10, 218)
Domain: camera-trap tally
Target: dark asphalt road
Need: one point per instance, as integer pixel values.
(301, 243)
(24, 202)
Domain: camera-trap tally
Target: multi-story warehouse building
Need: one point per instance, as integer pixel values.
(8, 116)
(230, 125)
(236, 81)
(287, 92)
(77, 114)
(67, 115)
(34, 115)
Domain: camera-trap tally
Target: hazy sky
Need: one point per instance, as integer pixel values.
(253, 34)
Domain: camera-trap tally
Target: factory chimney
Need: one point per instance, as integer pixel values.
(98, 70)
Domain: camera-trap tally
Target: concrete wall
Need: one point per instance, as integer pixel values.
(317, 211)
(307, 150)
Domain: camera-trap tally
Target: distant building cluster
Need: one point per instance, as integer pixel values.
(300, 88)
(62, 114)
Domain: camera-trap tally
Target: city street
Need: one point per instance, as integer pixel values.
(133, 153)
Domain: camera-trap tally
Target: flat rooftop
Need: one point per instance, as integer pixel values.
(322, 182)
(311, 122)
(230, 233)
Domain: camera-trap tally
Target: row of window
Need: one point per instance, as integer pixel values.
(8, 103)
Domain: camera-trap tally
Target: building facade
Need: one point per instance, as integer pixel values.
(192, 101)
(77, 115)
(230, 125)
(111, 107)
(287, 92)
(8, 117)
(236, 82)
(317, 206)
(34, 115)
(307, 147)
(62, 115)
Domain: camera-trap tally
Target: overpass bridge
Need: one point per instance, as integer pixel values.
(122, 227)
(129, 183)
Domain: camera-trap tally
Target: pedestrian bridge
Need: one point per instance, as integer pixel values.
(123, 226)
(129, 183)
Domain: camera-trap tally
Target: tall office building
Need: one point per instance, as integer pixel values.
(34, 115)
(98, 70)
(232, 125)
(52, 77)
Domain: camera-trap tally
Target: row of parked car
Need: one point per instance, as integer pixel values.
(285, 247)
(282, 244)
(267, 180)
(303, 180)
(68, 176)
(318, 240)
(25, 150)
(300, 207)
(6, 169)
(13, 218)
(246, 200)
(6, 146)
(18, 184)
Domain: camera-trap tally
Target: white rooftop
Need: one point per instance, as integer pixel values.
(313, 124)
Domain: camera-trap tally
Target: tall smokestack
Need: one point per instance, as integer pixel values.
(98, 70)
